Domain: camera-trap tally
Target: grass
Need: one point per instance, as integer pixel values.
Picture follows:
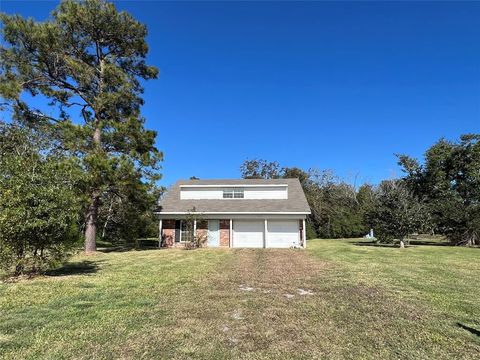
(338, 299)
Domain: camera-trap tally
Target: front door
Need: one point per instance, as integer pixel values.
(213, 233)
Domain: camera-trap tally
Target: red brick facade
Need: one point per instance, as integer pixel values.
(202, 231)
(225, 233)
(168, 233)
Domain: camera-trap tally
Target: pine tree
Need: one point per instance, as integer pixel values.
(86, 62)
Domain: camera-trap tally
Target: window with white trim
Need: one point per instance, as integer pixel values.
(186, 231)
(233, 194)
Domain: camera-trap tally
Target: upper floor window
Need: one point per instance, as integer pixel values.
(233, 194)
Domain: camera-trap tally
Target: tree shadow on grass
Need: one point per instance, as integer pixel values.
(431, 243)
(76, 268)
(374, 244)
(128, 248)
(137, 245)
(115, 249)
(469, 329)
(412, 243)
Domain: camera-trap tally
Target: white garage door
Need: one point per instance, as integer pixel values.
(283, 233)
(248, 233)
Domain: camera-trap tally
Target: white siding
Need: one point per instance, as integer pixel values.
(260, 192)
(266, 193)
(201, 193)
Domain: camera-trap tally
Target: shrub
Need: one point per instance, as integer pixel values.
(38, 204)
(397, 212)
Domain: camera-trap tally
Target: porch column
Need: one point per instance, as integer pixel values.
(194, 229)
(304, 235)
(160, 233)
(230, 234)
(265, 234)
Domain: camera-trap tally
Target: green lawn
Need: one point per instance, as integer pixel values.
(338, 299)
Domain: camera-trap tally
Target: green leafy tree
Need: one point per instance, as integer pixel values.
(449, 179)
(311, 194)
(39, 203)
(261, 169)
(397, 212)
(335, 209)
(296, 173)
(86, 62)
(366, 202)
(127, 214)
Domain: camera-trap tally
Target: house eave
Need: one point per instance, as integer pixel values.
(232, 213)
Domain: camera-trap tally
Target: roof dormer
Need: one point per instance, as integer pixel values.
(233, 192)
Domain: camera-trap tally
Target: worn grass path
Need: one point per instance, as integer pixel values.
(335, 300)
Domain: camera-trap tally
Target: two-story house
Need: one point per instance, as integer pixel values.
(254, 213)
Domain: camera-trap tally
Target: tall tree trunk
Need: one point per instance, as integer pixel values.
(91, 224)
(92, 211)
(20, 267)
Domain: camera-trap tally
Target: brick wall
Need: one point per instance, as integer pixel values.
(225, 233)
(202, 231)
(168, 233)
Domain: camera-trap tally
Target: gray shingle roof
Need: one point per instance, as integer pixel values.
(296, 201)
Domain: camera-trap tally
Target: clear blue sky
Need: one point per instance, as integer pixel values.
(332, 85)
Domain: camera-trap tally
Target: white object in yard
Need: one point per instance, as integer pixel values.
(304, 292)
(237, 315)
(370, 235)
(246, 288)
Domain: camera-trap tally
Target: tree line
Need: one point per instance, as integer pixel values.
(440, 195)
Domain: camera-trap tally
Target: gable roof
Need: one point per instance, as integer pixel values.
(296, 202)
